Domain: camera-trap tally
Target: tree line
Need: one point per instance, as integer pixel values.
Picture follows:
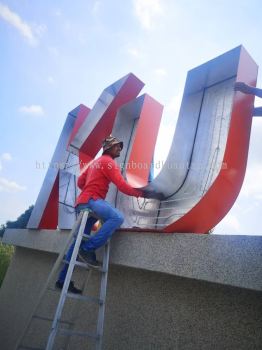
(20, 222)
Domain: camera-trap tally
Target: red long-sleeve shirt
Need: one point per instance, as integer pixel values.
(94, 181)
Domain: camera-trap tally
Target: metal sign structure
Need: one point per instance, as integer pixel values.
(206, 163)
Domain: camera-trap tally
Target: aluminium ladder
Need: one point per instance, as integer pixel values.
(78, 231)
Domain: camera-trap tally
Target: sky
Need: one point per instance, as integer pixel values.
(55, 55)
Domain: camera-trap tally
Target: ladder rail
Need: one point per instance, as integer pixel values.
(77, 234)
(103, 289)
(52, 273)
(54, 327)
(75, 314)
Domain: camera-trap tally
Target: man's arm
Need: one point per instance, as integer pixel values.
(114, 174)
(247, 89)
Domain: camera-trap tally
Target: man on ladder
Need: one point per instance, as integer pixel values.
(94, 183)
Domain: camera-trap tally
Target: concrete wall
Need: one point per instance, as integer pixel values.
(158, 297)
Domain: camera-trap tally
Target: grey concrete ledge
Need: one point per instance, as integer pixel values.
(45, 240)
(228, 259)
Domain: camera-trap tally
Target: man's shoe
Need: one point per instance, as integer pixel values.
(89, 258)
(71, 288)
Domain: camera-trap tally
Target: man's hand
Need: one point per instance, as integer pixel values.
(153, 195)
(240, 86)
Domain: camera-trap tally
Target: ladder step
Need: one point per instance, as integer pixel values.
(51, 320)
(86, 236)
(78, 333)
(85, 298)
(87, 266)
(79, 264)
(82, 264)
(54, 289)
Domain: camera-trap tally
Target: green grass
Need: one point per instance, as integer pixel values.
(6, 252)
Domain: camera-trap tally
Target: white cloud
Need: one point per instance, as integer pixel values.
(6, 156)
(230, 222)
(163, 144)
(96, 7)
(257, 102)
(133, 52)
(252, 186)
(57, 13)
(10, 186)
(53, 51)
(51, 80)
(160, 72)
(40, 29)
(146, 11)
(167, 129)
(16, 21)
(173, 106)
(34, 110)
